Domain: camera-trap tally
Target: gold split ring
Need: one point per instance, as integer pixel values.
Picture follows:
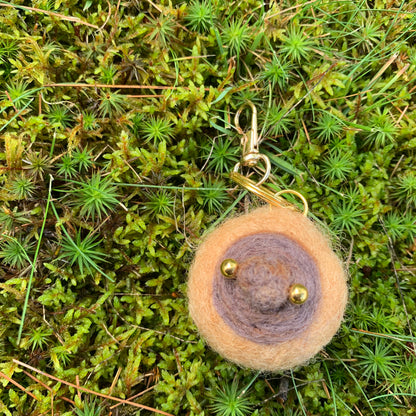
(267, 195)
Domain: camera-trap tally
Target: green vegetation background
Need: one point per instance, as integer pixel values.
(106, 189)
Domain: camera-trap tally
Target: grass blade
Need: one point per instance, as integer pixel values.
(33, 268)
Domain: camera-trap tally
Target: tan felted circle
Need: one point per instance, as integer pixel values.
(331, 295)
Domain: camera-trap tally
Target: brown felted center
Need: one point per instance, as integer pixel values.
(255, 303)
(269, 297)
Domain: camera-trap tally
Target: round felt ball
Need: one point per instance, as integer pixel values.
(249, 318)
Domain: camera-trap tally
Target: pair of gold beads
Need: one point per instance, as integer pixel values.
(298, 294)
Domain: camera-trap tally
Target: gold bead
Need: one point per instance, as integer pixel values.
(298, 294)
(229, 268)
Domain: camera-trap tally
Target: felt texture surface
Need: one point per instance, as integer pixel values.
(255, 304)
(222, 310)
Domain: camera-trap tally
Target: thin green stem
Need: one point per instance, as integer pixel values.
(229, 209)
(53, 144)
(179, 188)
(297, 394)
(396, 337)
(33, 268)
(16, 115)
(245, 389)
(392, 394)
(358, 384)
(332, 388)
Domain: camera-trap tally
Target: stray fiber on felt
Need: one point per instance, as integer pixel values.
(331, 299)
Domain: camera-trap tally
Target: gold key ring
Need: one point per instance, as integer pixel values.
(267, 165)
(267, 195)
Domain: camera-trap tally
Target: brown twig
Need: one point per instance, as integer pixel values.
(40, 103)
(10, 380)
(45, 386)
(305, 130)
(402, 113)
(378, 334)
(10, 99)
(269, 385)
(119, 86)
(145, 96)
(346, 96)
(288, 9)
(67, 400)
(108, 16)
(61, 16)
(124, 86)
(326, 390)
(78, 392)
(113, 384)
(155, 6)
(358, 410)
(396, 166)
(115, 24)
(135, 396)
(37, 380)
(106, 396)
(383, 69)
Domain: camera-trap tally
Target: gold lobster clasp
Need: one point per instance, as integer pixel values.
(250, 142)
(251, 157)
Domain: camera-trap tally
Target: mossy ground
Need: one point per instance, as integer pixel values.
(117, 139)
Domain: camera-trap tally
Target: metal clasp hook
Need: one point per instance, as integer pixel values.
(251, 157)
(250, 142)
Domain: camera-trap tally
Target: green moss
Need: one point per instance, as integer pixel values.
(122, 116)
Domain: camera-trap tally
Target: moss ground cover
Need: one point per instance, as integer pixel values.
(116, 145)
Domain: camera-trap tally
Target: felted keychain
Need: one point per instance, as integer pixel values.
(265, 289)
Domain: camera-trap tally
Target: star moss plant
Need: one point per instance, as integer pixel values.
(116, 143)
